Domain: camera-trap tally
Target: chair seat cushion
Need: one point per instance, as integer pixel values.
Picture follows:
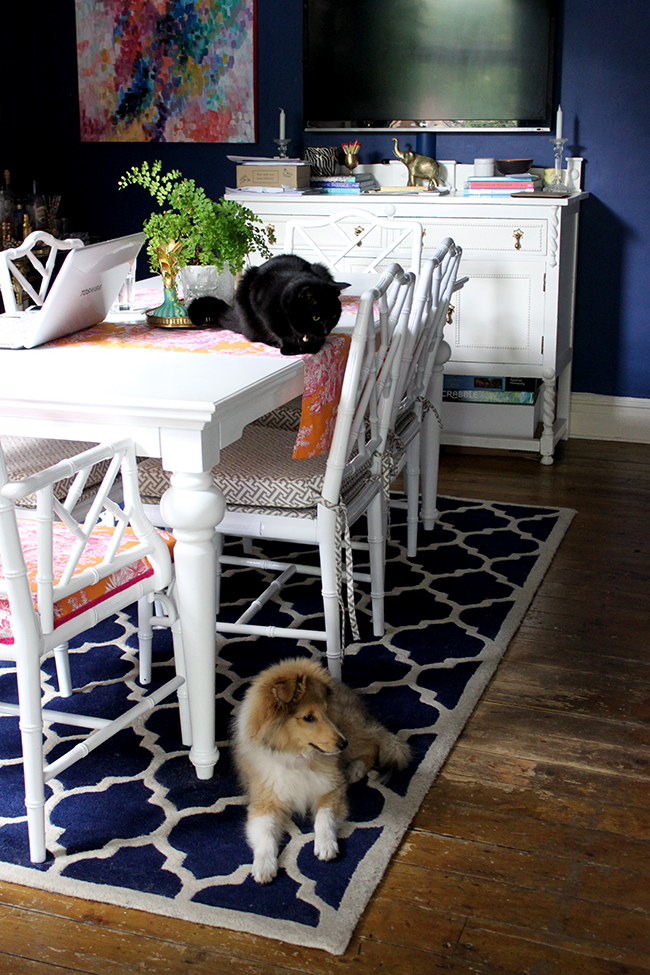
(256, 470)
(25, 456)
(285, 417)
(259, 472)
(407, 426)
(88, 596)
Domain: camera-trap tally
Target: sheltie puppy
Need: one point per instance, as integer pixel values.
(299, 738)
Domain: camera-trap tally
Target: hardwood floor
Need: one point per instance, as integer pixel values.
(531, 852)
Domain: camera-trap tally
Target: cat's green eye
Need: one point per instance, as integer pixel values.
(315, 318)
(305, 338)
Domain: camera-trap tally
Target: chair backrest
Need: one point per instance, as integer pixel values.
(356, 242)
(370, 381)
(445, 282)
(436, 284)
(32, 249)
(70, 556)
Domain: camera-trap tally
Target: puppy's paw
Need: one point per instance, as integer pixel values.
(326, 847)
(265, 868)
(356, 771)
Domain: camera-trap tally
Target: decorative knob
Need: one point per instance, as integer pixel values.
(358, 231)
(450, 312)
(518, 234)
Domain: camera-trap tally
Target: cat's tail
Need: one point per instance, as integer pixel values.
(211, 312)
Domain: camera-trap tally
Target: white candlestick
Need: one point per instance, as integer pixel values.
(282, 124)
(558, 123)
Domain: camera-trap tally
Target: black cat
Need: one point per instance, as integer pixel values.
(286, 302)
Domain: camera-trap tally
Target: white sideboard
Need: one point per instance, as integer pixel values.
(514, 317)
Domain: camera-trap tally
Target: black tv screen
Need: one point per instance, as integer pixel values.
(454, 64)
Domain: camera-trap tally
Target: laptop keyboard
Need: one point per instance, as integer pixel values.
(15, 329)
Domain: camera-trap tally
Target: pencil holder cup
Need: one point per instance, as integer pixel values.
(322, 160)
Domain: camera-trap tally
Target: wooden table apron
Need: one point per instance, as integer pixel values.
(181, 407)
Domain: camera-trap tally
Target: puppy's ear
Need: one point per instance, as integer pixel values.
(289, 691)
(283, 690)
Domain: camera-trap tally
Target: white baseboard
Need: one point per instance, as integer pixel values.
(595, 417)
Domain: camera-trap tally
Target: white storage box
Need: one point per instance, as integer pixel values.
(492, 419)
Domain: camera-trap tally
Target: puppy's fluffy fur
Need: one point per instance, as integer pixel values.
(300, 737)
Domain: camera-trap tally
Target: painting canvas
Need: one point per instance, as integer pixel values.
(166, 70)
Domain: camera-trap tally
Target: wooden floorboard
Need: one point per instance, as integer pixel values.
(531, 852)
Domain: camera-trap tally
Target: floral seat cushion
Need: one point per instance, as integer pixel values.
(88, 596)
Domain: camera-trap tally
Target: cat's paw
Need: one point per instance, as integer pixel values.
(207, 310)
(302, 348)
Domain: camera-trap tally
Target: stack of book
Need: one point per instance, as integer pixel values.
(345, 184)
(501, 185)
(490, 389)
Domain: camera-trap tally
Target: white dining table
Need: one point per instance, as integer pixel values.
(182, 407)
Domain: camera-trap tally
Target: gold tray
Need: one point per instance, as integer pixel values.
(165, 322)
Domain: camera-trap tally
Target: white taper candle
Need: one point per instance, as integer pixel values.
(283, 120)
(558, 123)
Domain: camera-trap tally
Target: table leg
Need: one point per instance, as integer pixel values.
(192, 507)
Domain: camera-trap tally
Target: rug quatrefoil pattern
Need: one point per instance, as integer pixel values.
(132, 825)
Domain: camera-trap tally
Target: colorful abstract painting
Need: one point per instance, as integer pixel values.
(166, 70)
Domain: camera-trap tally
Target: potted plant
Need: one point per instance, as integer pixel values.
(193, 230)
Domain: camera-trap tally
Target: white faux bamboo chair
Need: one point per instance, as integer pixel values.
(417, 395)
(10, 266)
(419, 398)
(270, 495)
(356, 245)
(59, 578)
(27, 455)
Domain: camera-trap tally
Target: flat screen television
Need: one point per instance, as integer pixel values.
(457, 65)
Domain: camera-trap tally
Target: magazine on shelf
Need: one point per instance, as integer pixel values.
(487, 385)
(511, 397)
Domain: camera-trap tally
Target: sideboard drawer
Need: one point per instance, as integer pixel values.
(487, 237)
(331, 242)
(478, 237)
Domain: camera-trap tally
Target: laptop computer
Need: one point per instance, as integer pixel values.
(82, 293)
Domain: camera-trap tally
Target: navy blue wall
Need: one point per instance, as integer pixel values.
(604, 78)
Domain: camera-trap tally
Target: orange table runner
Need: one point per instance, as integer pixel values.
(323, 370)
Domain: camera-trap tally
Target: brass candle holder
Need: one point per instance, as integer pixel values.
(351, 150)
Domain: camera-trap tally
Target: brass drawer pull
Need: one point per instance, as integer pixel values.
(450, 312)
(518, 234)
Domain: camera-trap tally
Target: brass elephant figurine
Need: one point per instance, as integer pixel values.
(419, 167)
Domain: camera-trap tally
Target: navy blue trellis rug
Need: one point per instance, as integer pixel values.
(131, 824)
